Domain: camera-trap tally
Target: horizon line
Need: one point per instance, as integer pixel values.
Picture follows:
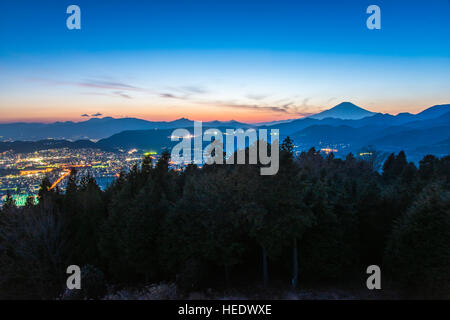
(88, 118)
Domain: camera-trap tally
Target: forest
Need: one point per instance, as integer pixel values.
(320, 219)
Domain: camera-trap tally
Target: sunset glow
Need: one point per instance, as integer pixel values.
(152, 62)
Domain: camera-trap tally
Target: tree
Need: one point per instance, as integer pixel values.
(373, 157)
(321, 218)
(288, 214)
(394, 166)
(427, 167)
(44, 187)
(209, 221)
(33, 254)
(418, 254)
(9, 202)
(30, 202)
(72, 186)
(147, 165)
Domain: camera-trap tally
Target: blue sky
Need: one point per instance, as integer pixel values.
(211, 59)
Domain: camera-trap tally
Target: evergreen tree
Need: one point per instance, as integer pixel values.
(44, 189)
(418, 252)
(9, 202)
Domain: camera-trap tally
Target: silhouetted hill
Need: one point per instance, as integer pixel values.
(32, 146)
(433, 112)
(140, 139)
(346, 114)
(154, 140)
(384, 132)
(437, 114)
(94, 129)
(425, 131)
(412, 138)
(317, 134)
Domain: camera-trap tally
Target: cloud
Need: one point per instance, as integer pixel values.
(285, 107)
(93, 83)
(119, 94)
(121, 89)
(85, 115)
(257, 96)
(167, 95)
(174, 96)
(195, 89)
(291, 107)
(183, 92)
(98, 114)
(107, 85)
(122, 94)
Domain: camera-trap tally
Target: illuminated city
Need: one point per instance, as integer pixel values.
(22, 173)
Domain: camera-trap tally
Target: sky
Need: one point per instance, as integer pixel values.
(245, 60)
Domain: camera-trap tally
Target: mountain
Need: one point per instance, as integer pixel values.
(443, 119)
(318, 134)
(344, 110)
(229, 124)
(433, 112)
(383, 132)
(412, 138)
(271, 123)
(427, 132)
(153, 140)
(376, 121)
(345, 113)
(32, 146)
(95, 128)
(149, 140)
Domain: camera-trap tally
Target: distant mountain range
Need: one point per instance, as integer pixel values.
(348, 130)
(94, 129)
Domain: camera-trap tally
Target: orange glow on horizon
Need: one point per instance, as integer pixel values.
(193, 112)
(253, 118)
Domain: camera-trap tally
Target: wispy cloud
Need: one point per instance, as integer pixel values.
(195, 89)
(173, 96)
(287, 109)
(257, 96)
(98, 114)
(85, 115)
(183, 92)
(292, 106)
(122, 94)
(107, 85)
(92, 83)
(122, 89)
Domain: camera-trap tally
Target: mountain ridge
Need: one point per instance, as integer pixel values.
(100, 128)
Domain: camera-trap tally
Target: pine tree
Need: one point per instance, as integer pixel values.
(44, 189)
(9, 202)
(418, 254)
(147, 165)
(30, 202)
